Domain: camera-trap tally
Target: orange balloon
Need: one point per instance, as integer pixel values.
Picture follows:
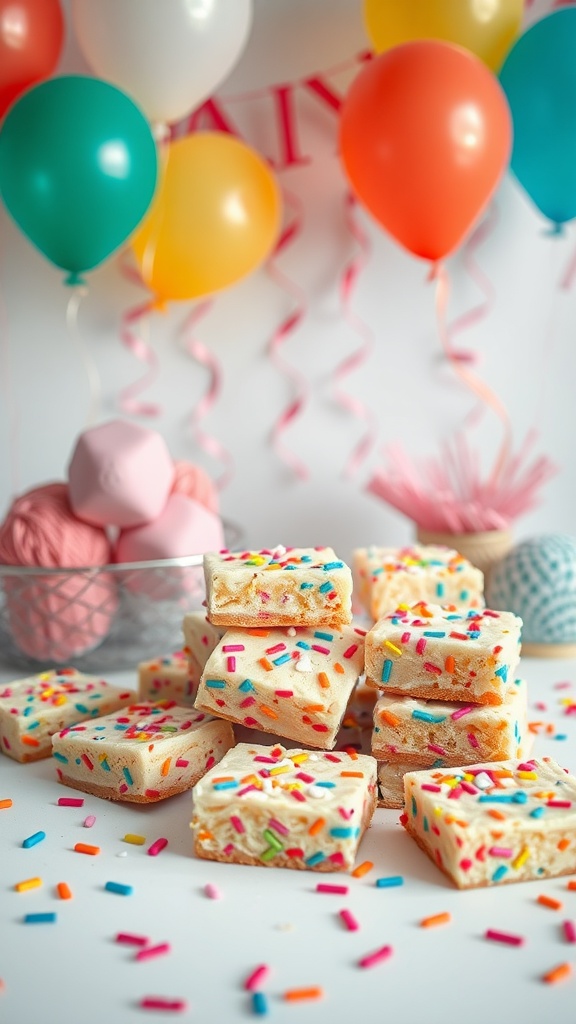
(425, 137)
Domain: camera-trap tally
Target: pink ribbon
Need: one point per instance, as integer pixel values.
(281, 335)
(202, 355)
(138, 347)
(357, 358)
(480, 311)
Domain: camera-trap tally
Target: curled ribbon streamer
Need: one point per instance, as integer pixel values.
(488, 397)
(281, 335)
(483, 282)
(567, 279)
(9, 395)
(202, 355)
(357, 358)
(80, 292)
(142, 350)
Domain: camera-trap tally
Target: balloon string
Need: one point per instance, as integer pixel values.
(80, 292)
(134, 334)
(488, 397)
(479, 312)
(567, 279)
(202, 355)
(9, 395)
(281, 335)
(357, 358)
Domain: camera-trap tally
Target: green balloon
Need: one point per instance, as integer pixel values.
(78, 169)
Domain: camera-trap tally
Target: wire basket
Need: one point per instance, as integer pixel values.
(98, 619)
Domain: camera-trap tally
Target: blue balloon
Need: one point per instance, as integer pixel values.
(539, 79)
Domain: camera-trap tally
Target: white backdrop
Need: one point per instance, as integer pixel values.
(526, 343)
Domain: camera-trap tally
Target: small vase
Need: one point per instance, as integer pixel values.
(482, 549)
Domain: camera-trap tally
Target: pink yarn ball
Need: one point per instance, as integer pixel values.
(55, 617)
(194, 482)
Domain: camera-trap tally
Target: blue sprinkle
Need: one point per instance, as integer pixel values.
(215, 684)
(259, 1004)
(290, 566)
(425, 824)
(33, 725)
(390, 882)
(501, 798)
(118, 887)
(345, 833)
(303, 645)
(333, 565)
(439, 590)
(32, 840)
(499, 873)
(560, 736)
(306, 586)
(414, 807)
(387, 669)
(326, 785)
(434, 632)
(326, 587)
(305, 558)
(82, 709)
(247, 686)
(439, 763)
(27, 711)
(121, 728)
(104, 764)
(502, 672)
(60, 757)
(232, 784)
(473, 634)
(323, 636)
(127, 776)
(537, 812)
(282, 659)
(520, 797)
(48, 918)
(316, 858)
(425, 716)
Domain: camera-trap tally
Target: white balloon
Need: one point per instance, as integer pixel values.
(168, 55)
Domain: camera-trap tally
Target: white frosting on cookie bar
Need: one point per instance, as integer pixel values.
(284, 808)
(200, 637)
(169, 677)
(288, 681)
(33, 709)
(504, 821)
(278, 587)
(457, 733)
(142, 754)
(385, 577)
(441, 653)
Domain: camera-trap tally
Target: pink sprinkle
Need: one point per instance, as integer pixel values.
(500, 851)
(404, 638)
(253, 980)
(132, 940)
(540, 706)
(233, 647)
(247, 702)
(212, 891)
(349, 920)
(247, 789)
(526, 766)
(375, 958)
(228, 849)
(436, 749)
(461, 712)
(468, 787)
(70, 801)
(421, 645)
(336, 858)
(505, 937)
(250, 721)
(89, 821)
(157, 847)
(569, 931)
(430, 788)
(276, 649)
(332, 757)
(158, 1003)
(152, 951)
(231, 663)
(182, 763)
(266, 760)
(320, 649)
(304, 777)
(350, 651)
(472, 740)
(465, 864)
(337, 890)
(237, 823)
(278, 827)
(558, 803)
(429, 667)
(298, 795)
(562, 686)
(283, 693)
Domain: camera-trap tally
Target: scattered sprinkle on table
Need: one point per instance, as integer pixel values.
(559, 973)
(212, 891)
(89, 821)
(549, 901)
(64, 891)
(569, 929)
(92, 851)
(135, 840)
(257, 977)
(572, 885)
(70, 801)
(349, 920)
(151, 951)
(293, 995)
(119, 888)
(28, 883)
(4, 804)
(159, 1003)
(504, 937)
(336, 890)
(389, 883)
(362, 869)
(157, 847)
(48, 918)
(37, 837)
(259, 1004)
(435, 919)
(379, 955)
(132, 940)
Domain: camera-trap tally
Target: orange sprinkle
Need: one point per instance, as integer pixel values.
(550, 728)
(563, 844)
(363, 869)
(64, 891)
(323, 680)
(431, 922)
(496, 814)
(205, 834)
(491, 698)
(294, 994)
(4, 804)
(267, 711)
(549, 901)
(502, 773)
(572, 885)
(534, 726)
(351, 753)
(314, 707)
(166, 766)
(352, 775)
(266, 664)
(225, 778)
(30, 741)
(258, 632)
(338, 668)
(450, 664)
(389, 717)
(557, 974)
(316, 826)
(86, 848)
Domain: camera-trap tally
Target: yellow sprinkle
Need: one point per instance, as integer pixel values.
(527, 775)
(299, 758)
(392, 647)
(438, 812)
(130, 837)
(273, 566)
(280, 769)
(61, 700)
(29, 883)
(522, 858)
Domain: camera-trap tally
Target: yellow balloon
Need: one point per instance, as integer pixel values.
(215, 218)
(485, 27)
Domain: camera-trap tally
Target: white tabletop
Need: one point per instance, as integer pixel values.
(74, 971)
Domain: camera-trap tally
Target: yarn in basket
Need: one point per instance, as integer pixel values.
(54, 617)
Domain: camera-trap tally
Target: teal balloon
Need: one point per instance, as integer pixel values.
(539, 79)
(78, 169)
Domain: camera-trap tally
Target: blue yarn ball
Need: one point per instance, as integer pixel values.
(537, 581)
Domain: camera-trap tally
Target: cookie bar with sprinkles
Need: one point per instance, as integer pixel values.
(291, 682)
(284, 808)
(200, 639)
(278, 587)
(391, 778)
(457, 733)
(384, 577)
(441, 653)
(169, 677)
(143, 754)
(33, 709)
(497, 822)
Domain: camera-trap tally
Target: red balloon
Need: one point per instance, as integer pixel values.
(31, 37)
(425, 137)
